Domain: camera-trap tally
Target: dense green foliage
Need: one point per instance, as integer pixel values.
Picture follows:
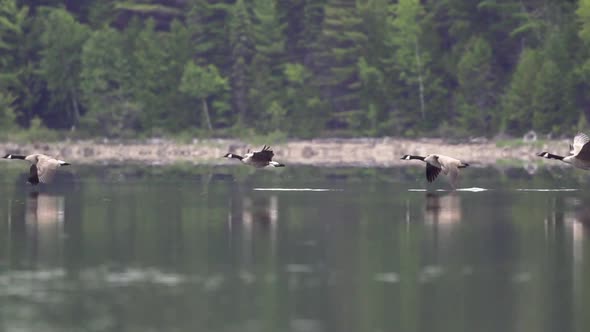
(302, 68)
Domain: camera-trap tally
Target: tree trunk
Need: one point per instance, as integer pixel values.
(76, 115)
(206, 114)
(420, 80)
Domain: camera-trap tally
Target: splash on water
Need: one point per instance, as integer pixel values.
(547, 190)
(296, 189)
(472, 189)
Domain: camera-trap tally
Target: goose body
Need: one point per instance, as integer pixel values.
(437, 163)
(257, 159)
(43, 167)
(579, 153)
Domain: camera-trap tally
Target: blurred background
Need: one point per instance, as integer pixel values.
(169, 236)
(296, 68)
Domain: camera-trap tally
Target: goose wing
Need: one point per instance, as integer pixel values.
(46, 168)
(453, 173)
(264, 155)
(33, 176)
(581, 148)
(431, 172)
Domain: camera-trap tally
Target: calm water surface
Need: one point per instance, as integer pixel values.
(203, 249)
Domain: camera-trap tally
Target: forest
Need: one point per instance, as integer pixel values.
(295, 68)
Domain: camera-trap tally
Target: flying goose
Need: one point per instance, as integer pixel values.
(579, 153)
(43, 167)
(257, 159)
(435, 163)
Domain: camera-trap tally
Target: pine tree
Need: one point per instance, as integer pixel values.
(60, 65)
(407, 62)
(266, 66)
(207, 20)
(475, 102)
(18, 77)
(106, 82)
(242, 49)
(7, 115)
(517, 115)
(339, 49)
(291, 17)
(314, 13)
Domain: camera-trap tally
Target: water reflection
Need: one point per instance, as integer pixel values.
(256, 224)
(219, 256)
(576, 216)
(442, 209)
(41, 231)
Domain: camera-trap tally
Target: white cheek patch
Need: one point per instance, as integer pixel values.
(230, 155)
(9, 156)
(407, 158)
(546, 155)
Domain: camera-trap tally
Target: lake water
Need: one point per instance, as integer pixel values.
(187, 248)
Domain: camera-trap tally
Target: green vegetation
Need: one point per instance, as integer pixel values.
(299, 68)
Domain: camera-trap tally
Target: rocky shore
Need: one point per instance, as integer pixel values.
(362, 152)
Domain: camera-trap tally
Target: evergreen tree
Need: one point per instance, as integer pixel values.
(582, 71)
(305, 110)
(60, 65)
(313, 19)
(376, 67)
(547, 100)
(159, 58)
(290, 14)
(375, 88)
(407, 65)
(516, 102)
(475, 99)
(7, 116)
(18, 54)
(106, 85)
(266, 66)
(339, 49)
(242, 45)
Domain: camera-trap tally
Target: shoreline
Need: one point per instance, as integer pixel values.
(330, 152)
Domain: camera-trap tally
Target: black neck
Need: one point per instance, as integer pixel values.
(552, 156)
(237, 156)
(410, 157)
(14, 156)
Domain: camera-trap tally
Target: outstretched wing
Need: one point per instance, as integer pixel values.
(579, 141)
(431, 172)
(264, 155)
(453, 176)
(46, 169)
(33, 176)
(581, 147)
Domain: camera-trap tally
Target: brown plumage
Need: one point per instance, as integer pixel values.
(43, 167)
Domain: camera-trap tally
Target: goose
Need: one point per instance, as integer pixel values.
(435, 163)
(257, 159)
(43, 167)
(579, 153)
